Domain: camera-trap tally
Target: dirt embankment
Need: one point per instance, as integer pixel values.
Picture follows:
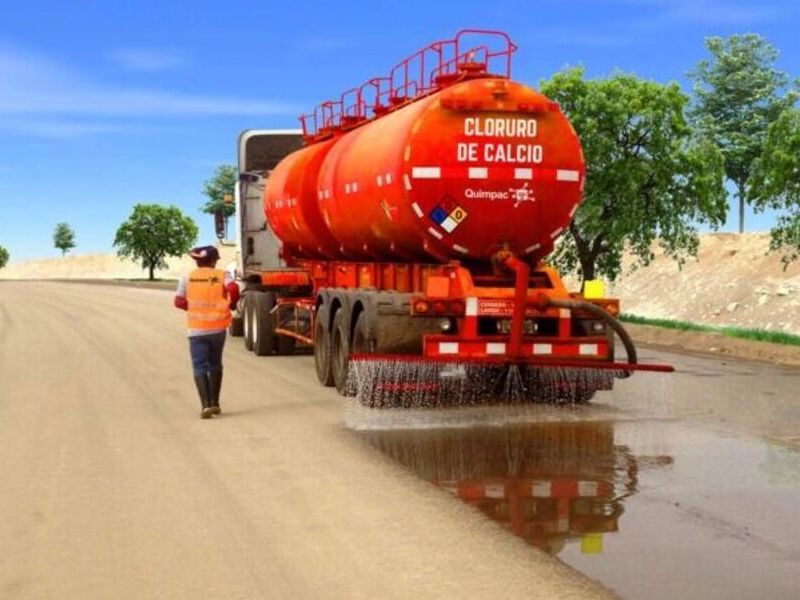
(734, 280)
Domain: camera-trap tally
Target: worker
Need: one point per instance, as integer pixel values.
(208, 294)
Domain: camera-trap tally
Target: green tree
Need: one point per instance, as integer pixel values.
(738, 93)
(3, 257)
(646, 179)
(154, 232)
(222, 184)
(63, 237)
(775, 183)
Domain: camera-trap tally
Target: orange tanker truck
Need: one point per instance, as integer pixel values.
(402, 231)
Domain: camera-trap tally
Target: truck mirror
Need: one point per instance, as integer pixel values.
(219, 224)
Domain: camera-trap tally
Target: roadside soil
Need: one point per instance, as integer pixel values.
(713, 343)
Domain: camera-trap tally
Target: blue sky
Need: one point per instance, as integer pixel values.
(106, 104)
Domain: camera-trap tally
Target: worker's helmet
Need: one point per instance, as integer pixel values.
(207, 253)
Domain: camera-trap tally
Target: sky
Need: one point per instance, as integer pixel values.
(107, 104)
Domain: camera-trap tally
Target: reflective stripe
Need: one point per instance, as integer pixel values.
(207, 300)
(200, 304)
(215, 316)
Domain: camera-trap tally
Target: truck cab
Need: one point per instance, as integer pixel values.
(259, 150)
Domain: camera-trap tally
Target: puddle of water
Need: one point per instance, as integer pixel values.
(652, 509)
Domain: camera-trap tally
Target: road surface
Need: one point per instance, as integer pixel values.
(114, 487)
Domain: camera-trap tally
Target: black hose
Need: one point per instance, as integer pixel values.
(598, 311)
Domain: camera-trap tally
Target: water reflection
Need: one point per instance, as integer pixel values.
(548, 483)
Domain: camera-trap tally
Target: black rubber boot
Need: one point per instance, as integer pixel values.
(215, 385)
(204, 391)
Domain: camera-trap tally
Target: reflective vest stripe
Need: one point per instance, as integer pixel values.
(207, 301)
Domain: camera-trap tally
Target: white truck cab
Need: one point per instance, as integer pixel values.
(260, 150)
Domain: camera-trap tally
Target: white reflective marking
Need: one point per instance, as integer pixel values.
(328, 194)
(495, 348)
(530, 249)
(346, 188)
(543, 348)
(448, 347)
(471, 309)
(417, 209)
(448, 225)
(564, 313)
(379, 180)
(406, 181)
(449, 486)
(556, 233)
(435, 233)
(495, 490)
(523, 173)
(587, 350)
(426, 172)
(478, 172)
(566, 175)
(354, 187)
(541, 489)
(587, 489)
(461, 249)
(388, 178)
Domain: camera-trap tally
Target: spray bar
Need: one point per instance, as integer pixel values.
(502, 360)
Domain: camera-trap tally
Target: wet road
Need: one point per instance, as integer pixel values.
(672, 486)
(681, 486)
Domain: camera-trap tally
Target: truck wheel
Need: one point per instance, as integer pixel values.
(285, 345)
(363, 342)
(340, 350)
(236, 328)
(263, 323)
(322, 348)
(248, 321)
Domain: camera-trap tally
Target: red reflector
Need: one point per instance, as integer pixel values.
(440, 307)
(457, 307)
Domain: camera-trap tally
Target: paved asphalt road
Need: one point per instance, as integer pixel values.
(114, 488)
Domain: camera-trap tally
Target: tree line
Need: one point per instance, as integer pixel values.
(658, 160)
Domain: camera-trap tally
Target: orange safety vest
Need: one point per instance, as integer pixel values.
(207, 300)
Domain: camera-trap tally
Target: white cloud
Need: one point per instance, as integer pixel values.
(57, 129)
(31, 85)
(147, 59)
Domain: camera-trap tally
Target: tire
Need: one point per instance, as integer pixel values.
(263, 323)
(285, 345)
(322, 348)
(583, 396)
(247, 321)
(340, 349)
(236, 328)
(363, 341)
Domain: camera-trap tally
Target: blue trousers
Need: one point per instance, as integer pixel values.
(206, 352)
